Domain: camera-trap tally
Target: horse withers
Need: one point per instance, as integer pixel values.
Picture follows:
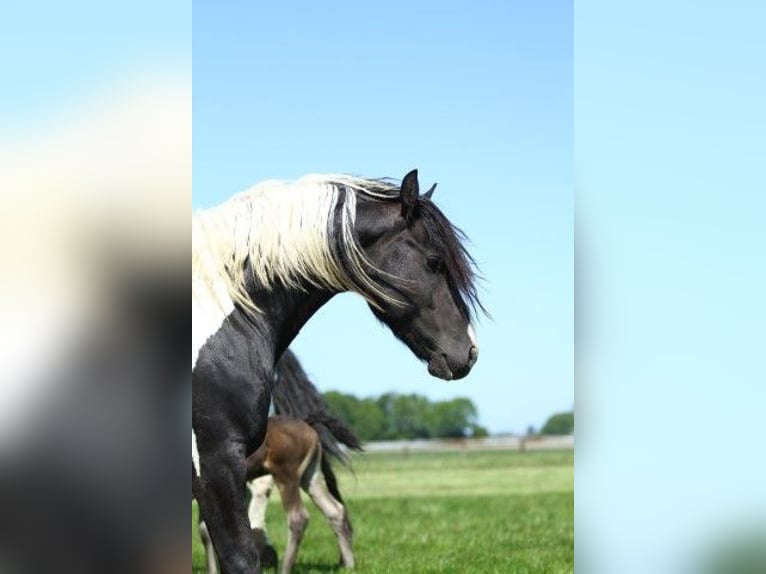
(262, 264)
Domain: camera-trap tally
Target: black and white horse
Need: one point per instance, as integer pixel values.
(262, 264)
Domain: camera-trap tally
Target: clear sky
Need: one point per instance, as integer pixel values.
(479, 97)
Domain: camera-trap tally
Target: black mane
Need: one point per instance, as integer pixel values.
(460, 265)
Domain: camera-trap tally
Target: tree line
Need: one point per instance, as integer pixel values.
(394, 416)
(559, 424)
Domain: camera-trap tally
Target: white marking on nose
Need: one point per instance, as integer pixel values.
(472, 336)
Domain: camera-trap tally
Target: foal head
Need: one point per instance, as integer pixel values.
(425, 276)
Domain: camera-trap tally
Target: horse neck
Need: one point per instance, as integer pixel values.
(285, 311)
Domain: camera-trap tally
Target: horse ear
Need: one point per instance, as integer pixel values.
(430, 192)
(409, 193)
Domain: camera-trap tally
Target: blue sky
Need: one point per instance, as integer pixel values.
(478, 97)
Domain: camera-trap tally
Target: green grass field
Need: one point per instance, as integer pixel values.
(496, 512)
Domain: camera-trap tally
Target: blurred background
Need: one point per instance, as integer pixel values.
(95, 188)
(653, 113)
(669, 141)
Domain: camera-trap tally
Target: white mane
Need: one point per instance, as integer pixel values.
(286, 231)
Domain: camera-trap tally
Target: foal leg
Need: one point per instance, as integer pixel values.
(260, 490)
(297, 519)
(335, 513)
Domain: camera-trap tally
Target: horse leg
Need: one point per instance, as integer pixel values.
(335, 513)
(207, 543)
(230, 411)
(260, 490)
(223, 508)
(297, 519)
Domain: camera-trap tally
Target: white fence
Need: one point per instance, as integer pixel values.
(490, 443)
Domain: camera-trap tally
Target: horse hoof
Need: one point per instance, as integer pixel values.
(268, 557)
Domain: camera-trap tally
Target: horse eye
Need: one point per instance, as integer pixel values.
(435, 263)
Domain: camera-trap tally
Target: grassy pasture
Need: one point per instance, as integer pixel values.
(492, 511)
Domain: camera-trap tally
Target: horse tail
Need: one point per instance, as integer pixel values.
(295, 396)
(333, 433)
(331, 479)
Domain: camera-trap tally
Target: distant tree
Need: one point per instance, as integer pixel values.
(531, 431)
(409, 417)
(369, 421)
(385, 403)
(363, 415)
(478, 431)
(393, 416)
(453, 419)
(559, 424)
(342, 405)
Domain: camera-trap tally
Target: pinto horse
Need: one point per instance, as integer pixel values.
(263, 263)
(295, 456)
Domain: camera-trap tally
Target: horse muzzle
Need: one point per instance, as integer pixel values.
(442, 367)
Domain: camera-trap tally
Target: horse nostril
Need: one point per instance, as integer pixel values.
(473, 354)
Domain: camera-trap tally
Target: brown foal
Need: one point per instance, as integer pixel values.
(291, 457)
